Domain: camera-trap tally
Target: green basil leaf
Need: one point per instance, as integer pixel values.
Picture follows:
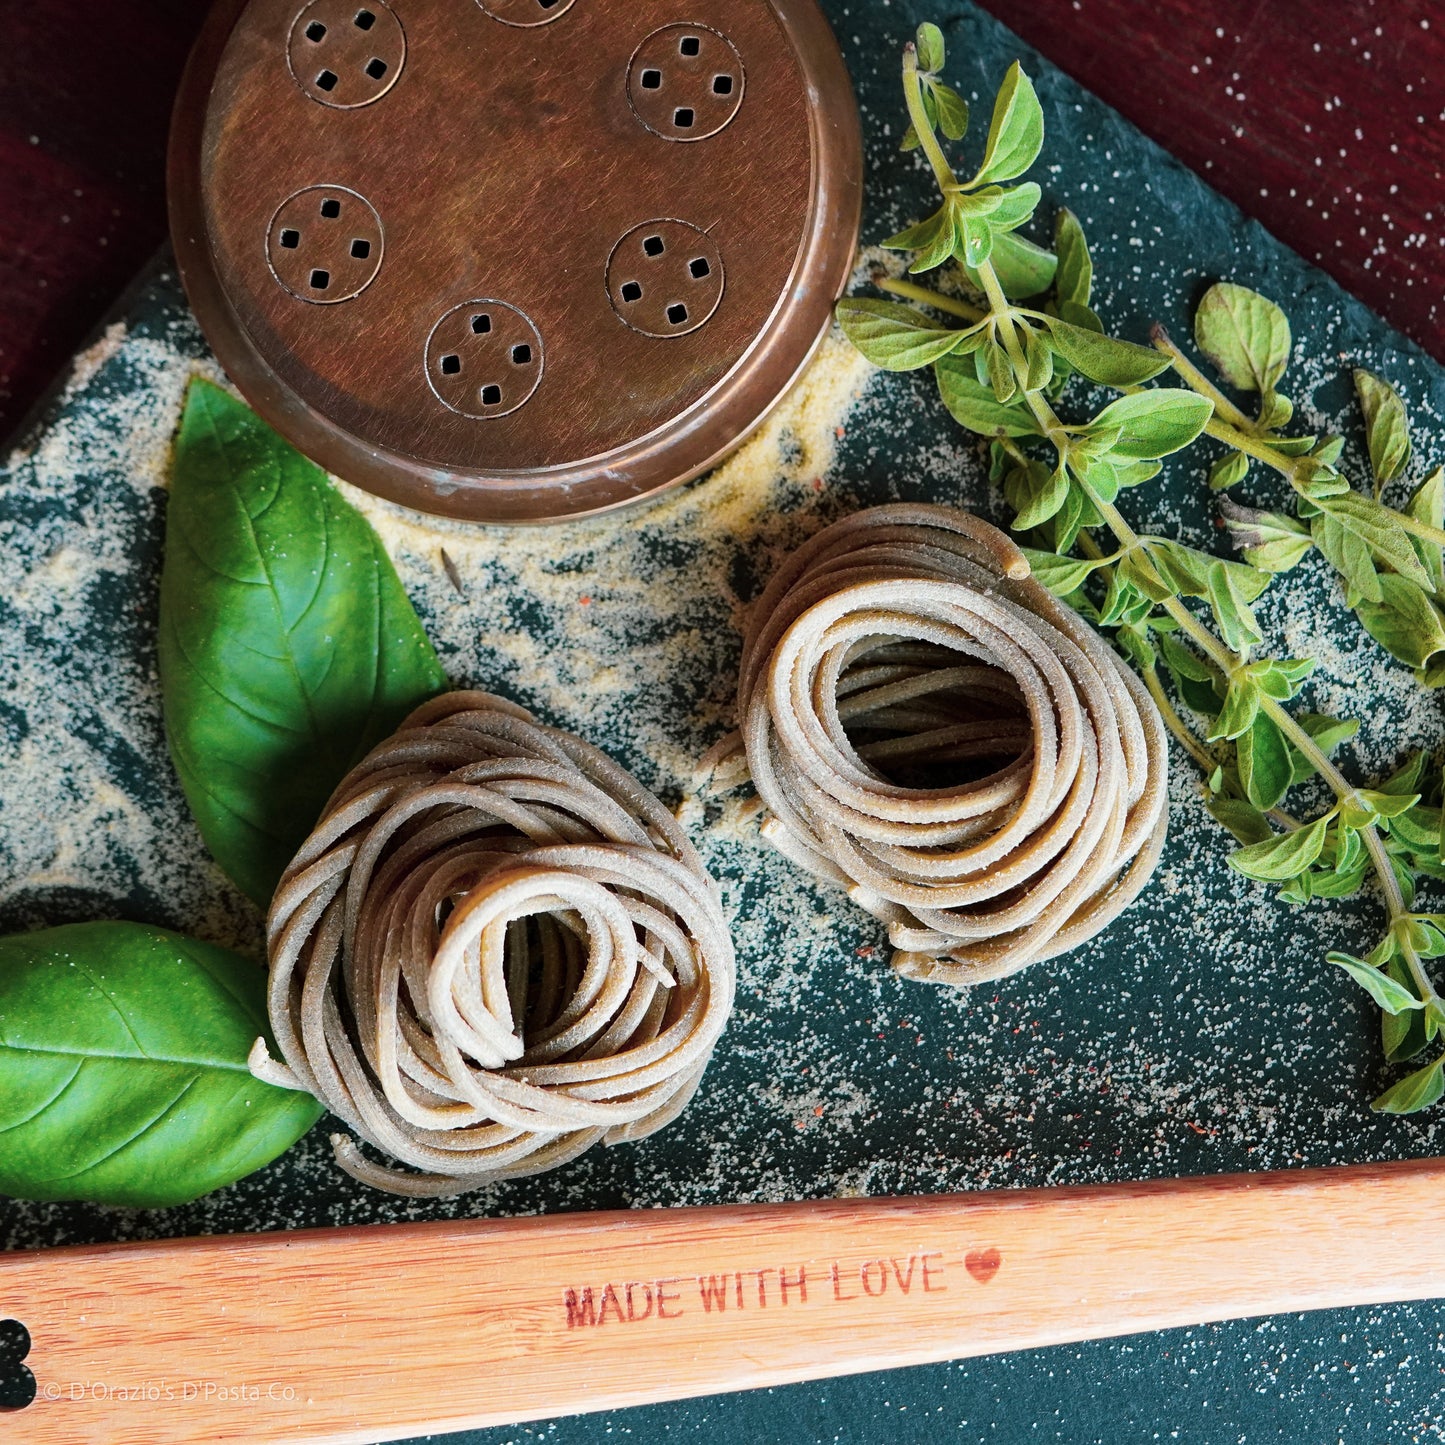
(1016, 132)
(1391, 996)
(975, 406)
(1154, 423)
(1023, 269)
(1405, 622)
(287, 646)
(930, 47)
(1245, 335)
(1284, 856)
(1264, 764)
(1076, 266)
(1104, 359)
(1387, 433)
(123, 1076)
(895, 337)
(1415, 1092)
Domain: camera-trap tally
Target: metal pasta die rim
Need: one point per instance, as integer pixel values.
(504, 161)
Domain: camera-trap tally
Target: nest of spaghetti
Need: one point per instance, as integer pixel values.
(934, 732)
(496, 949)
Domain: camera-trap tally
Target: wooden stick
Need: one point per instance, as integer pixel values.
(376, 1333)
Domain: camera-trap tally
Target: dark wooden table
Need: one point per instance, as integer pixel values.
(1323, 118)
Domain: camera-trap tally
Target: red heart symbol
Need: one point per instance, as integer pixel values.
(982, 1264)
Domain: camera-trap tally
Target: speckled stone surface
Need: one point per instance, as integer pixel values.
(1201, 1034)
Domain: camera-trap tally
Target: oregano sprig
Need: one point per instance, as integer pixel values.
(1180, 613)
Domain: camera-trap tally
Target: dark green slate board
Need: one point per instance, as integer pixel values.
(1201, 1034)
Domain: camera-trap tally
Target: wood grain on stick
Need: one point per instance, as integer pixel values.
(378, 1333)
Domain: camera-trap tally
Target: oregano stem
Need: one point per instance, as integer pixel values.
(1197, 381)
(913, 292)
(913, 94)
(1232, 427)
(1223, 657)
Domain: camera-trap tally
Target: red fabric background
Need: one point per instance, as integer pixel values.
(1323, 118)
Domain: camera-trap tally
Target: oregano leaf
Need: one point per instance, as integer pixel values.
(1023, 269)
(1405, 622)
(1387, 432)
(1061, 575)
(1016, 131)
(1244, 334)
(1247, 824)
(930, 47)
(1380, 530)
(1228, 471)
(1264, 763)
(1046, 498)
(952, 111)
(892, 336)
(1415, 1092)
(1104, 359)
(1155, 423)
(1241, 707)
(1075, 280)
(1269, 541)
(1237, 623)
(1349, 555)
(1428, 505)
(1391, 996)
(1284, 856)
(975, 406)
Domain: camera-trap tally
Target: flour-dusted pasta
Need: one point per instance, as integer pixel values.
(933, 731)
(496, 949)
